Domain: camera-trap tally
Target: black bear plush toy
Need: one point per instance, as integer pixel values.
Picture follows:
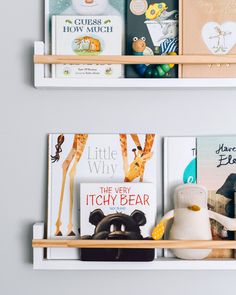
(117, 226)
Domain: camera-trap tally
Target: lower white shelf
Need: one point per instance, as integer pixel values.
(40, 81)
(40, 263)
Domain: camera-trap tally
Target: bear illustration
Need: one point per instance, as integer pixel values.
(117, 226)
(90, 7)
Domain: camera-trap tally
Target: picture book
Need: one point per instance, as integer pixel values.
(86, 36)
(216, 170)
(180, 159)
(91, 158)
(111, 211)
(152, 29)
(81, 8)
(213, 32)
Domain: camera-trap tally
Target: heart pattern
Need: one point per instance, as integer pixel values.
(219, 38)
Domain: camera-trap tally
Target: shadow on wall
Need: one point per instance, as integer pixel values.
(27, 228)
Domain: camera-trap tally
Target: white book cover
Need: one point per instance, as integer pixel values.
(115, 199)
(87, 36)
(179, 167)
(91, 158)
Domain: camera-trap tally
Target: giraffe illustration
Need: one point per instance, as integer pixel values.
(141, 156)
(134, 170)
(75, 154)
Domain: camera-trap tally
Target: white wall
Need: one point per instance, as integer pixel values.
(27, 115)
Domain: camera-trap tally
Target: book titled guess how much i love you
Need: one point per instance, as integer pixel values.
(87, 36)
(116, 211)
(91, 158)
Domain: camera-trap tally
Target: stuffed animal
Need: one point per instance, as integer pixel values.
(191, 220)
(90, 7)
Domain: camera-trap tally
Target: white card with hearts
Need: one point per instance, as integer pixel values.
(219, 38)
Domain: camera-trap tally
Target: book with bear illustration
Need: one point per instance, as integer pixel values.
(152, 29)
(112, 211)
(92, 158)
(86, 36)
(213, 32)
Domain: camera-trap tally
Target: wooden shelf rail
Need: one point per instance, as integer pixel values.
(127, 59)
(163, 244)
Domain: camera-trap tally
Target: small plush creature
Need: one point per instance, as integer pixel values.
(117, 226)
(91, 7)
(191, 220)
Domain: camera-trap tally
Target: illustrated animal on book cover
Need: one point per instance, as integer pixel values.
(133, 170)
(117, 226)
(91, 7)
(162, 27)
(87, 44)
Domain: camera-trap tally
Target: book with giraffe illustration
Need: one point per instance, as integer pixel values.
(213, 32)
(92, 158)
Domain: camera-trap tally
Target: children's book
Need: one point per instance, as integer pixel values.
(86, 36)
(208, 27)
(152, 29)
(80, 8)
(111, 211)
(216, 170)
(91, 158)
(179, 167)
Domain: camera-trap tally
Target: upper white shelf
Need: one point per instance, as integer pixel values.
(40, 81)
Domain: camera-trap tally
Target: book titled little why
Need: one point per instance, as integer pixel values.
(87, 36)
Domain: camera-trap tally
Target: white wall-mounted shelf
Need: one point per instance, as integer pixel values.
(40, 81)
(160, 263)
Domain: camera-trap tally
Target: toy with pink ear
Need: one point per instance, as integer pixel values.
(191, 220)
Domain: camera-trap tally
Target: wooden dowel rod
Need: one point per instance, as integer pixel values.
(127, 59)
(134, 244)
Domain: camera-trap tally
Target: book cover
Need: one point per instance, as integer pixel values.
(179, 167)
(91, 158)
(111, 211)
(216, 170)
(79, 7)
(86, 36)
(152, 29)
(213, 32)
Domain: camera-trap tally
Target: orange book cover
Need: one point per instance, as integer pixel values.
(208, 27)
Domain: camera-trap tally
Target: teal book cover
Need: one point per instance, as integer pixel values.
(152, 29)
(216, 170)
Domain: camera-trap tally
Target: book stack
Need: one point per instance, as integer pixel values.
(111, 175)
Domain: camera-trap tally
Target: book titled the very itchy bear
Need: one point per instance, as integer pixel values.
(117, 211)
(117, 200)
(86, 36)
